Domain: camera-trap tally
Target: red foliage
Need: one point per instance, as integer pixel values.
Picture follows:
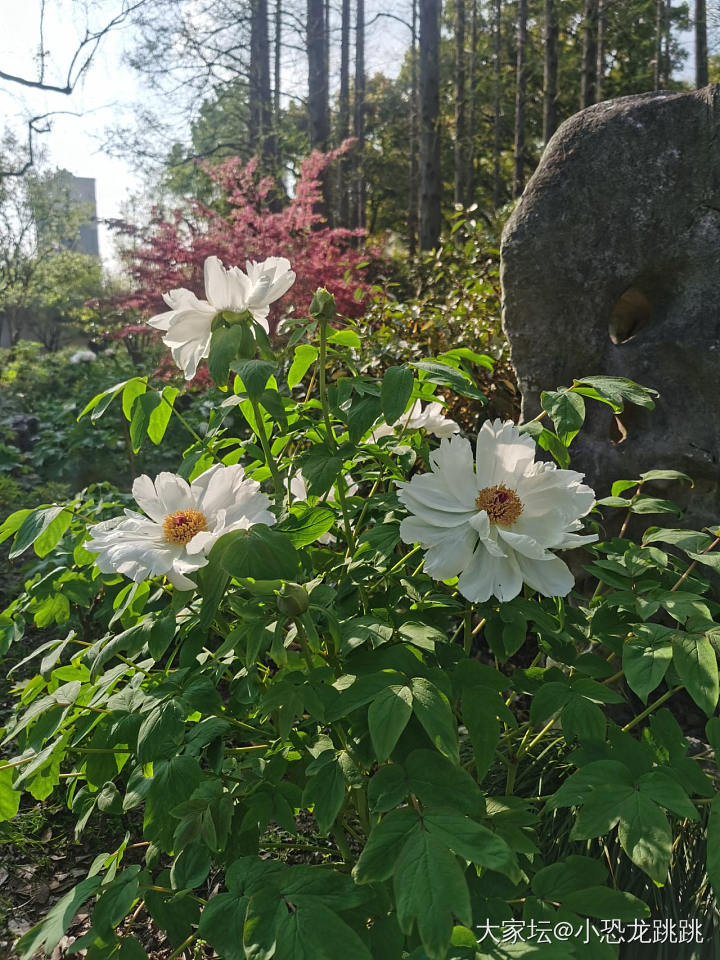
(241, 226)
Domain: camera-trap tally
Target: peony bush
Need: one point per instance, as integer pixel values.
(342, 681)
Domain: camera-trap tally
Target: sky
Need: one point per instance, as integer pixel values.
(107, 94)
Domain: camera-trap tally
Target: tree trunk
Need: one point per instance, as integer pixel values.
(261, 112)
(588, 77)
(318, 111)
(659, 30)
(277, 61)
(430, 181)
(701, 47)
(343, 126)
(520, 95)
(460, 104)
(550, 73)
(413, 146)
(600, 69)
(359, 116)
(497, 104)
(470, 169)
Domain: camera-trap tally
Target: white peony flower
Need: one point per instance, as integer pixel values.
(431, 419)
(188, 323)
(83, 356)
(494, 524)
(183, 522)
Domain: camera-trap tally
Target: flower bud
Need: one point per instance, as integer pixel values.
(292, 600)
(323, 305)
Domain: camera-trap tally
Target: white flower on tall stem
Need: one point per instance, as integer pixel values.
(430, 418)
(187, 325)
(182, 522)
(494, 523)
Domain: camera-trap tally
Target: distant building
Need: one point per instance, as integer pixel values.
(82, 189)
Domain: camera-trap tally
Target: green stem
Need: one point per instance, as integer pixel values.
(265, 444)
(653, 706)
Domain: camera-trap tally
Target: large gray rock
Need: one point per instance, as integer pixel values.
(611, 265)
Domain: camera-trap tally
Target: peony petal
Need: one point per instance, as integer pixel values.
(450, 556)
(217, 284)
(523, 544)
(552, 577)
(143, 489)
(476, 580)
(173, 493)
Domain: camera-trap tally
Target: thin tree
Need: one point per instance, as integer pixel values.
(360, 189)
(461, 147)
(277, 59)
(701, 45)
(470, 170)
(413, 125)
(550, 72)
(497, 102)
(520, 97)
(600, 69)
(430, 181)
(318, 109)
(588, 75)
(343, 118)
(261, 104)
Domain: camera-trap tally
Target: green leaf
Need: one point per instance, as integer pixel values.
(314, 932)
(387, 718)
(320, 470)
(53, 533)
(190, 867)
(450, 377)
(388, 787)
(254, 375)
(438, 781)
(665, 475)
(131, 391)
(304, 356)
(13, 523)
(306, 524)
(606, 904)
(161, 732)
(346, 338)
(600, 811)
(549, 441)
(567, 411)
(101, 401)
(397, 386)
(645, 662)
(685, 539)
(143, 409)
(464, 353)
(160, 416)
(557, 880)
(645, 505)
(377, 860)
(615, 390)
(52, 928)
(432, 708)
(260, 552)
(644, 834)
(713, 845)
(696, 663)
(326, 791)
(9, 798)
(221, 924)
(430, 890)
(480, 717)
(661, 788)
(32, 528)
(469, 839)
(225, 345)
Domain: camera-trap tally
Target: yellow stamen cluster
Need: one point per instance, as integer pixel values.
(180, 527)
(503, 506)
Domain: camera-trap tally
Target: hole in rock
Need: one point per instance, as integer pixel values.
(632, 311)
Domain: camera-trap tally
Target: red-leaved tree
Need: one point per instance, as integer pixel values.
(241, 225)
